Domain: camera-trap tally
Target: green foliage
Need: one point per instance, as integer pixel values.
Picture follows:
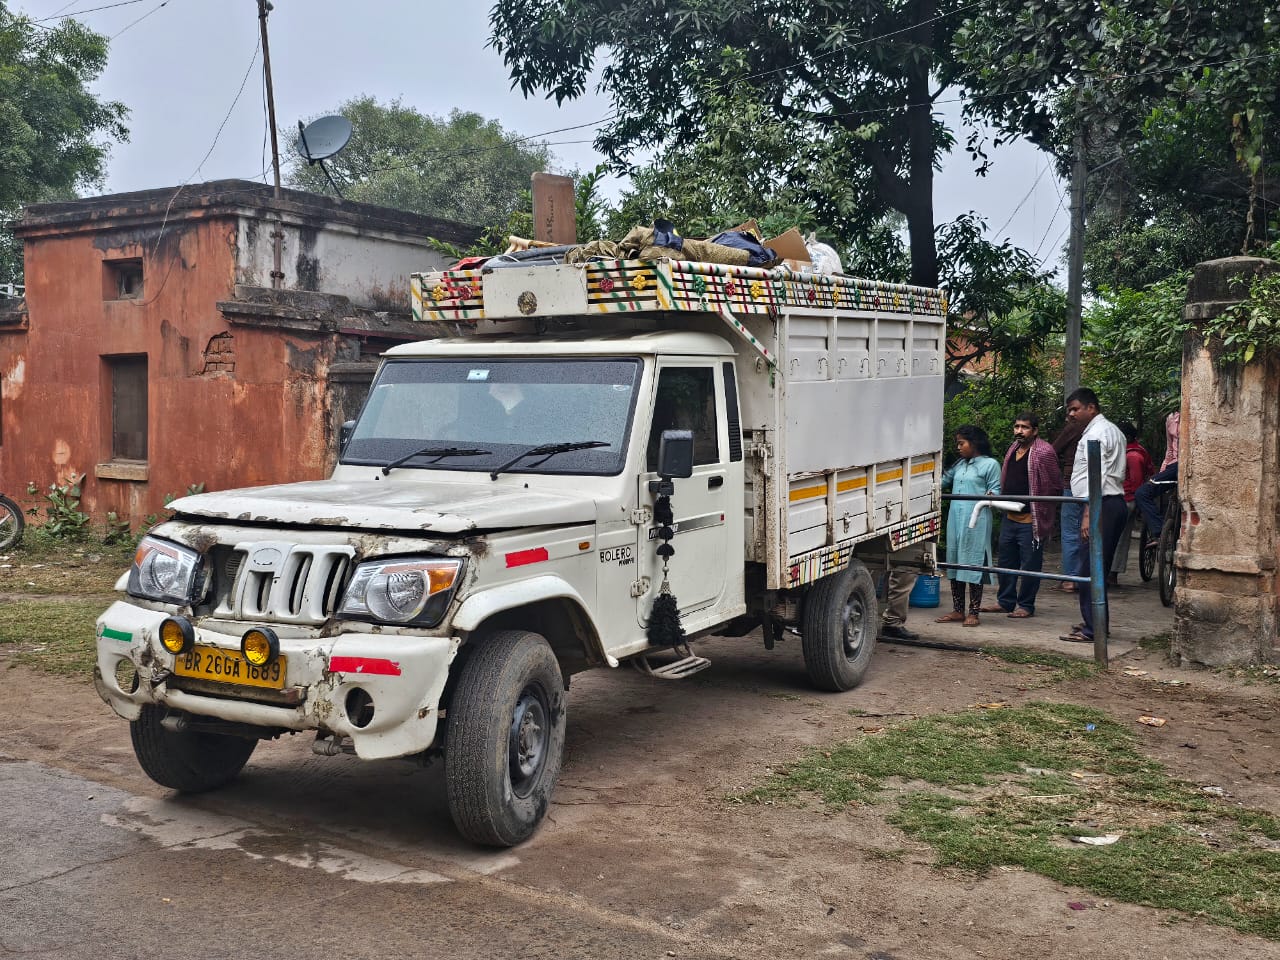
(824, 106)
(64, 519)
(116, 529)
(1252, 327)
(1133, 354)
(1176, 101)
(461, 167)
(51, 124)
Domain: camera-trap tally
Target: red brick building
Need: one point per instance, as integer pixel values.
(151, 351)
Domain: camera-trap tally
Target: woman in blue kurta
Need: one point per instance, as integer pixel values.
(976, 472)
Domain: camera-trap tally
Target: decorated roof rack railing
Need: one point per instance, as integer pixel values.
(625, 286)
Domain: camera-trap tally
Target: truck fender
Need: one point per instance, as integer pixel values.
(479, 607)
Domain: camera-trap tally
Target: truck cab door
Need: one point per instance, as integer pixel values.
(686, 399)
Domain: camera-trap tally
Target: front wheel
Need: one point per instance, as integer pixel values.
(1148, 554)
(505, 738)
(839, 628)
(1168, 546)
(188, 761)
(11, 523)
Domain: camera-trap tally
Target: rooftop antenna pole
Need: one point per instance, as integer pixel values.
(277, 274)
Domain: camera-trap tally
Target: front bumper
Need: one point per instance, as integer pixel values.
(403, 675)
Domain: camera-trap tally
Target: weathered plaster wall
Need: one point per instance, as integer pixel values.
(226, 406)
(1229, 485)
(370, 267)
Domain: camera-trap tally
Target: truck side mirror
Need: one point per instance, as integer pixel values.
(675, 454)
(344, 435)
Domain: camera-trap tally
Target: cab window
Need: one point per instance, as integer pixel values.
(686, 400)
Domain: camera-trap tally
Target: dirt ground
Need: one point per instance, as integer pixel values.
(642, 854)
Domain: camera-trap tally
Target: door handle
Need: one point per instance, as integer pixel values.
(713, 482)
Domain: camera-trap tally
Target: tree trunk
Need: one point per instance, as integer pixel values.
(920, 228)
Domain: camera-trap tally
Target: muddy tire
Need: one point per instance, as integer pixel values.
(191, 761)
(839, 628)
(505, 738)
(11, 523)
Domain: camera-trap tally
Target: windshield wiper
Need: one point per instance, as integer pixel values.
(438, 452)
(547, 451)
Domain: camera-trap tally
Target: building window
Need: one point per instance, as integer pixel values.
(128, 377)
(122, 279)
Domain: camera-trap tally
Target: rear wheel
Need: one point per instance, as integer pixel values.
(839, 628)
(1168, 546)
(188, 761)
(505, 738)
(11, 523)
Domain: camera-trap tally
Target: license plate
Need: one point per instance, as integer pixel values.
(229, 666)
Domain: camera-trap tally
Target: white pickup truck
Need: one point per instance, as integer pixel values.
(490, 528)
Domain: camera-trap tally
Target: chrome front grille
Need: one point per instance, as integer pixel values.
(280, 582)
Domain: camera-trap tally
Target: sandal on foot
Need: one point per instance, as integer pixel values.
(953, 617)
(1076, 637)
(1021, 613)
(972, 620)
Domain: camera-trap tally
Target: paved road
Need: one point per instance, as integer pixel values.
(90, 871)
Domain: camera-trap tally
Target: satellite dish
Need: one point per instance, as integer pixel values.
(321, 139)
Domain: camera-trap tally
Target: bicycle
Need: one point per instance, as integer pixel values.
(12, 523)
(1155, 557)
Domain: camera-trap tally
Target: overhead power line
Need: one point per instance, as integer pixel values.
(78, 13)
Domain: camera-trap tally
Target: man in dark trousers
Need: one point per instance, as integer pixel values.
(1083, 407)
(1030, 468)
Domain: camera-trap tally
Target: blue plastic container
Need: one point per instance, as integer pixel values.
(926, 592)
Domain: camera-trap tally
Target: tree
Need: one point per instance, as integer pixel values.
(462, 167)
(1187, 84)
(827, 103)
(51, 125)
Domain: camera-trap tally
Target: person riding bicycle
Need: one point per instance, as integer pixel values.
(1147, 496)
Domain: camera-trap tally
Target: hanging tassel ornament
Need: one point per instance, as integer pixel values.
(665, 629)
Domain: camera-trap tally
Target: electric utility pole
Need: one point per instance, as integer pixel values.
(1075, 265)
(277, 274)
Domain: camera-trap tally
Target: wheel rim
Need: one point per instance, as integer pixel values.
(527, 740)
(854, 627)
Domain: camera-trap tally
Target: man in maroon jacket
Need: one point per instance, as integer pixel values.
(1030, 468)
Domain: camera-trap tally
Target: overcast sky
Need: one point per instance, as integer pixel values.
(178, 66)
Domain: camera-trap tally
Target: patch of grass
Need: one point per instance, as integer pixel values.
(56, 636)
(1157, 641)
(1062, 667)
(782, 696)
(47, 566)
(1012, 787)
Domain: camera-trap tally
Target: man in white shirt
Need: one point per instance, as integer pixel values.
(1083, 407)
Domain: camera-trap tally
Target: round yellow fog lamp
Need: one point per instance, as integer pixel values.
(177, 635)
(260, 646)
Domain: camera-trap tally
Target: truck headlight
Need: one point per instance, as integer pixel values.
(405, 590)
(163, 571)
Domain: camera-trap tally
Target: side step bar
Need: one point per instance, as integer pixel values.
(685, 665)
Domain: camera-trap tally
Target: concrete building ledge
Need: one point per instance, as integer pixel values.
(1225, 563)
(135, 470)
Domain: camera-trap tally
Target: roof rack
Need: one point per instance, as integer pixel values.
(628, 286)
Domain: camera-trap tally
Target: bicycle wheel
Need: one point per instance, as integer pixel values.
(1148, 554)
(11, 523)
(1168, 546)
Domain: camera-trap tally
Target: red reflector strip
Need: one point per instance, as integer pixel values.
(521, 557)
(373, 665)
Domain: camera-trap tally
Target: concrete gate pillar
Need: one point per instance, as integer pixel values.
(1229, 484)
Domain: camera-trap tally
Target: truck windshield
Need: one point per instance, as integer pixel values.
(499, 408)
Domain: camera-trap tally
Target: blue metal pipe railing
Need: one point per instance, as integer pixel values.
(1097, 579)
